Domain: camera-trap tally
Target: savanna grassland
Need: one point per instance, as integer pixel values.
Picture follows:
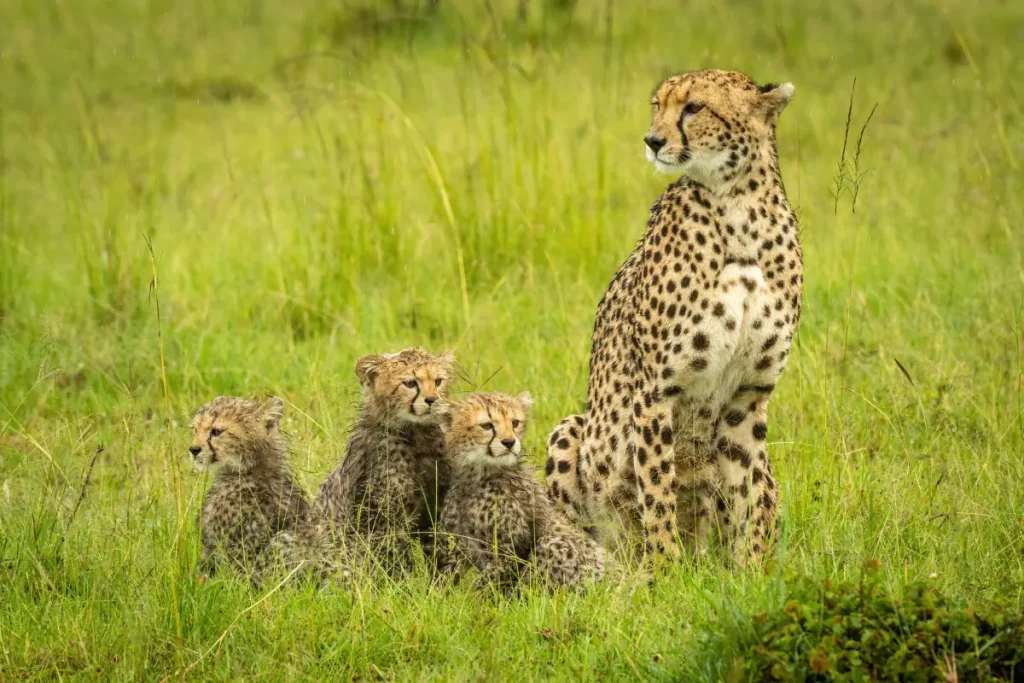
(203, 198)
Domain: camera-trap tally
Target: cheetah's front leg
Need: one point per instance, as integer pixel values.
(654, 465)
(748, 493)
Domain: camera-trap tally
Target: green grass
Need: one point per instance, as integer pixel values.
(320, 181)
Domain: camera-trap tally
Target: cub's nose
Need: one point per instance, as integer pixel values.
(654, 142)
(508, 443)
(430, 400)
(195, 450)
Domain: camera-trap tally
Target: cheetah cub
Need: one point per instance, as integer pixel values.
(387, 490)
(496, 517)
(255, 514)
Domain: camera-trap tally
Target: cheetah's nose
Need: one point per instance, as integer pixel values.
(195, 450)
(654, 142)
(430, 400)
(508, 443)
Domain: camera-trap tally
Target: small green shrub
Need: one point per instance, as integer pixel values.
(858, 632)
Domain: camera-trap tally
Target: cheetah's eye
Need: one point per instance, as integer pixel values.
(487, 426)
(411, 383)
(216, 431)
(438, 381)
(692, 108)
(515, 424)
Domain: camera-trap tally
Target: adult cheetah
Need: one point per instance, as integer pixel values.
(692, 334)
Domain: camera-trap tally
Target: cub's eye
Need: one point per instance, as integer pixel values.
(411, 383)
(654, 105)
(487, 426)
(692, 108)
(438, 381)
(515, 424)
(216, 431)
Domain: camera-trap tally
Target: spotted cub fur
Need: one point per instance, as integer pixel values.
(693, 333)
(255, 514)
(386, 492)
(496, 517)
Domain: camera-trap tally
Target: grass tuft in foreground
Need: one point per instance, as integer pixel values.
(856, 630)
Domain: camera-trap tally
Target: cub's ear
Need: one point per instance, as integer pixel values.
(525, 399)
(368, 367)
(448, 359)
(774, 98)
(271, 412)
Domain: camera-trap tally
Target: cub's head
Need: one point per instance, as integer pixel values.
(487, 429)
(707, 124)
(236, 433)
(410, 386)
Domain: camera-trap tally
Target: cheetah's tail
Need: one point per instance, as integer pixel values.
(561, 472)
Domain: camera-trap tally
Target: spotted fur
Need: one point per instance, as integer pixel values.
(496, 517)
(255, 514)
(386, 492)
(692, 334)
(565, 488)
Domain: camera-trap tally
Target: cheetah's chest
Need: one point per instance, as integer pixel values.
(488, 516)
(502, 513)
(734, 345)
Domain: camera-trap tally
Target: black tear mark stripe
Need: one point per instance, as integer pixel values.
(494, 431)
(412, 404)
(209, 439)
(679, 125)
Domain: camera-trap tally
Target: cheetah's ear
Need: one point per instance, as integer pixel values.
(774, 98)
(525, 399)
(368, 367)
(271, 412)
(448, 359)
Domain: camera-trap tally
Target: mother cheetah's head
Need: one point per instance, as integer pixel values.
(708, 124)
